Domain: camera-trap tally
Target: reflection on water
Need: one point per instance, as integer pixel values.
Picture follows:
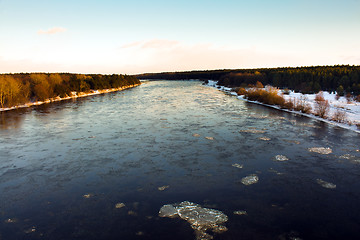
(101, 167)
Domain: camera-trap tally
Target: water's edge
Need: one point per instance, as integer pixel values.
(229, 91)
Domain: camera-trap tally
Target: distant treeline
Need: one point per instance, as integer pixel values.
(21, 88)
(343, 78)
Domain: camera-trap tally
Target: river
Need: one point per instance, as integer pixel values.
(64, 166)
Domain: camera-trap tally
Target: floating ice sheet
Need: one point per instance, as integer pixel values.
(88, 195)
(355, 160)
(347, 156)
(292, 141)
(320, 150)
(252, 131)
(162, 188)
(240, 212)
(281, 158)
(325, 184)
(259, 116)
(251, 179)
(11, 220)
(308, 125)
(237, 165)
(119, 205)
(352, 158)
(132, 213)
(201, 219)
(30, 230)
(265, 138)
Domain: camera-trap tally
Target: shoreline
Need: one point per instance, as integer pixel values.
(229, 91)
(74, 95)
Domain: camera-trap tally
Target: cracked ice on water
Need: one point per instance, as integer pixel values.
(201, 219)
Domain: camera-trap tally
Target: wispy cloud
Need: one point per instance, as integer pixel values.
(153, 44)
(169, 55)
(51, 31)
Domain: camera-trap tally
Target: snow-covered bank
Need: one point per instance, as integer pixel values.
(350, 109)
(73, 96)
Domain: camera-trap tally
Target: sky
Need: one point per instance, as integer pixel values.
(138, 36)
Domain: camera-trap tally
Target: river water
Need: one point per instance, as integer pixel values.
(64, 166)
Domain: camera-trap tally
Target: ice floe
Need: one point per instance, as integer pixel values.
(240, 212)
(357, 161)
(132, 213)
(162, 188)
(11, 220)
(237, 165)
(325, 184)
(347, 156)
(88, 195)
(280, 158)
(251, 179)
(352, 158)
(252, 131)
(265, 138)
(292, 141)
(320, 150)
(30, 230)
(201, 219)
(119, 205)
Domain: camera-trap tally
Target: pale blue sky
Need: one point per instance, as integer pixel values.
(137, 36)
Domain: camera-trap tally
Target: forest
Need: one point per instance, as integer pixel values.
(17, 89)
(344, 79)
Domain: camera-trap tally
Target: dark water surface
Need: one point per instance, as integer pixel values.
(64, 166)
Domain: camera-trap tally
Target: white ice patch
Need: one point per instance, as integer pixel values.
(281, 158)
(240, 212)
(325, 184)
(251, 179)
(352, 158)
(237, 165)
(201, 219)
(265, 138)
(162, 188)
(11, 220)
(119, 205)
(320, 150)
(88, 195)
(252, 131)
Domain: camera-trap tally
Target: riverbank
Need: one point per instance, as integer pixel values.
(349, 109)
(74, 95)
